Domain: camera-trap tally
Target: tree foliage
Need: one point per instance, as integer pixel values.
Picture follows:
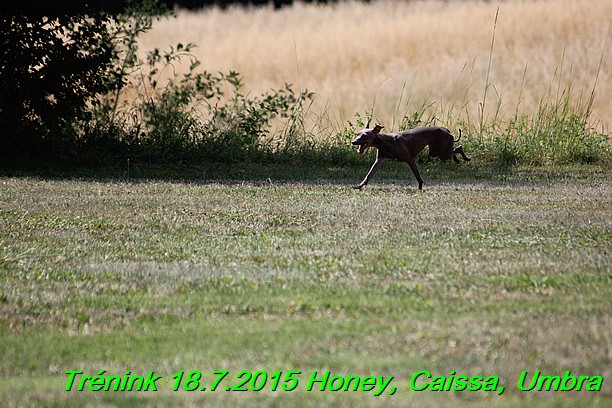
(54, 58)
(73, 84)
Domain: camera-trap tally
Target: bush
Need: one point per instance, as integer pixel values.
(55, 58)
(190, 116)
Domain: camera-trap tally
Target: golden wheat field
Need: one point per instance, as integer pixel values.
(399, 56)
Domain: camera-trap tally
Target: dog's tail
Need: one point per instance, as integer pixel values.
(459, 138)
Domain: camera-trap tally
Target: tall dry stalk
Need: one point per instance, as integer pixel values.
(487, 83)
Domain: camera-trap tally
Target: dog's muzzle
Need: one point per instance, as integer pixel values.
(362, 146)
(362, 142)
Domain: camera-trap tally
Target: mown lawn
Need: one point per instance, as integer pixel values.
(487, 272)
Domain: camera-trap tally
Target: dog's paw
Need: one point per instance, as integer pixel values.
(358, 186)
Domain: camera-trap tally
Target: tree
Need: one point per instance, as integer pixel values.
(54, 58)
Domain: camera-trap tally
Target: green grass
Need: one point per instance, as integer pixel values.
(488, 271)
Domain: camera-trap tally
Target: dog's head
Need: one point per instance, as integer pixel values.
(365, 138)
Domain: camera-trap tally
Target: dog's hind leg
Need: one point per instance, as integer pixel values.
(459, 150)
(415, 170)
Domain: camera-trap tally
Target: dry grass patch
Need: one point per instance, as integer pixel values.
(409, 54)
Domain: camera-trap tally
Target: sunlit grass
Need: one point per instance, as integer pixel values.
(477, 274)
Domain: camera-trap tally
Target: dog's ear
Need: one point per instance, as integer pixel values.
(377, 129)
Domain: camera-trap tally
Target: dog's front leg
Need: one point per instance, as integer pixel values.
(373, 170)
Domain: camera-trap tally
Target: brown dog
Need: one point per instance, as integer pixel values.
(404, 147)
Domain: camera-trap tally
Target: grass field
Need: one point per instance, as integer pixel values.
(501, 266)
(255, 267)
(401, 56)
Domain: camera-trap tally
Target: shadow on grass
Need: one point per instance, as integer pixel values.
(433, 172)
